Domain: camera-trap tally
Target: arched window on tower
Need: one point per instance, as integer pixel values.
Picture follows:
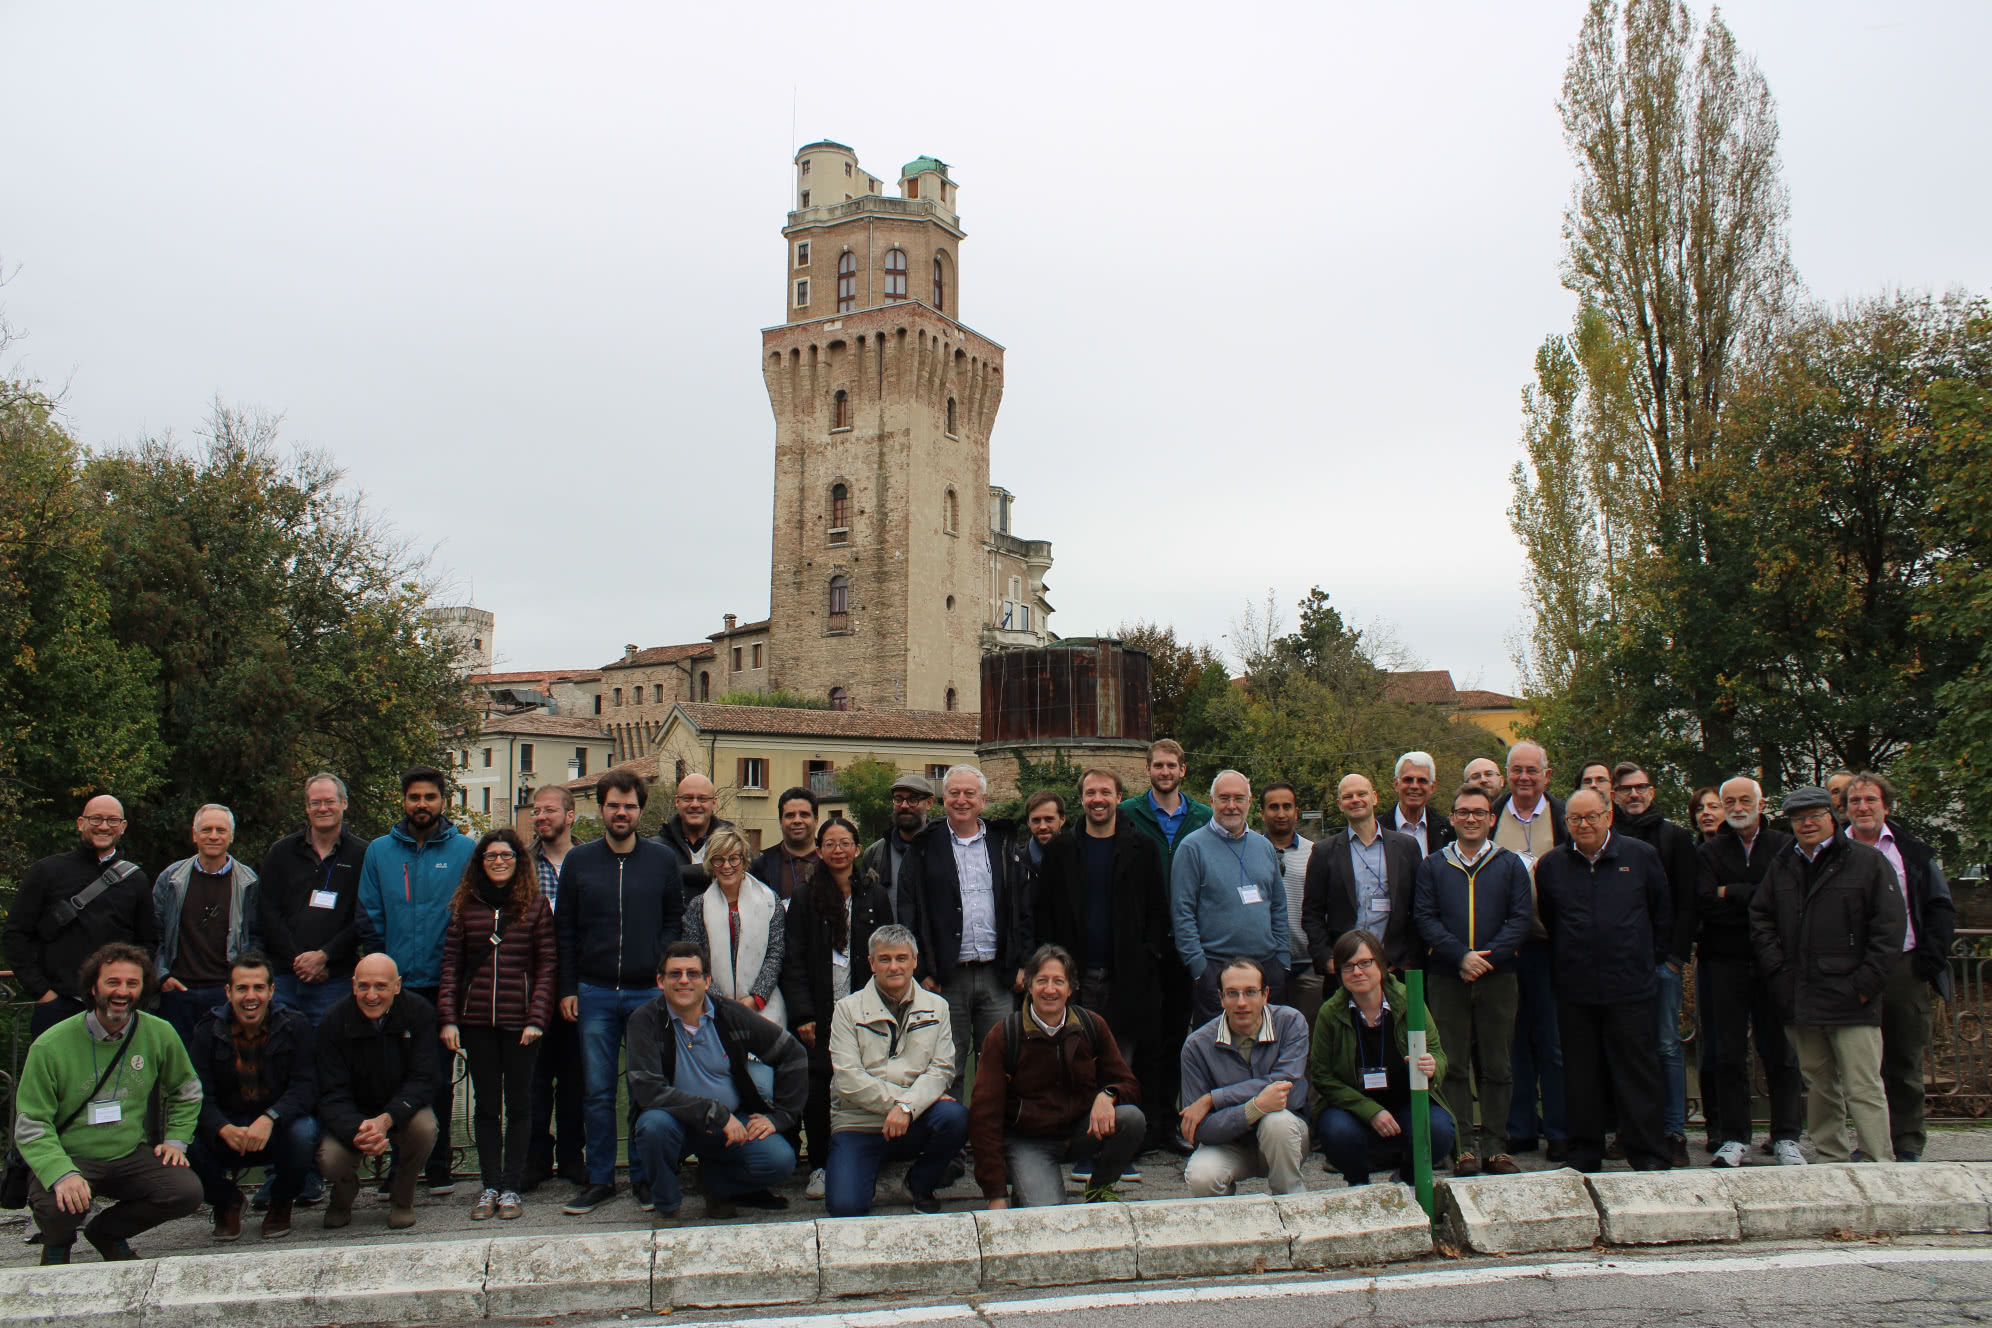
(895, 274)
(940, 287)
(951, 513)
(840, 602)
(951, 698)
(951, 415)
(839, 699)
(705, 687)
(847, 282)
(840, 410)
(840, 514)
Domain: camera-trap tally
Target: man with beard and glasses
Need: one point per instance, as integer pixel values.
(80, 1115)
(410, 875)
(890, 862)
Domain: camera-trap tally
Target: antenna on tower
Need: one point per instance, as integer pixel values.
(793, 96)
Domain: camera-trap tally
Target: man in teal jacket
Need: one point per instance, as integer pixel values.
(1165, 814)
(410, 875)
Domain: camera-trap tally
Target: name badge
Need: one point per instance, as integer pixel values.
(1376, 1079)
(107, 1112)
(1249, 894)
(324, 899)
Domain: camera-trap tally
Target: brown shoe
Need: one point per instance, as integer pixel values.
(400, 1219)
(1502, 1165)
(228, 1222)
(277, 1222)
(1614, 1150)
(1466, 1164)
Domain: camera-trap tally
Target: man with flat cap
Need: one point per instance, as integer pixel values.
(888, 862)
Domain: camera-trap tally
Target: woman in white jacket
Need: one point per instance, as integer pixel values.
(741, 923)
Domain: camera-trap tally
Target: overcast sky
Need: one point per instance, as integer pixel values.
(1271, 277)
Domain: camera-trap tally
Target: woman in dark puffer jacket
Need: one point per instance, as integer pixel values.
(496, 999)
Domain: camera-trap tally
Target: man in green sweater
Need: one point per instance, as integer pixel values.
(80, 1114)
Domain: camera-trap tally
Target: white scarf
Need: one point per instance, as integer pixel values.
(759, 911)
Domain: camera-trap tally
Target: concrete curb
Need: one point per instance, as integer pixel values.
(958, 1254)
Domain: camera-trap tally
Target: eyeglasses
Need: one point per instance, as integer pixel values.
(1242, 993)
(1470, 813)
(103, 820)
(501, 855)
(1587, 818)
(908, 799)
(322, 805)
(1635, 788)
(1525, 770)
(1359, 966)
(730, 860)
(694, 800)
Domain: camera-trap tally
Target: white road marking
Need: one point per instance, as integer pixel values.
(1328, 1285)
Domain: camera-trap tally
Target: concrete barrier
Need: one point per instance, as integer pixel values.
(1371, 1224)
(910, 1255)
(1065, 1245)
(1911, 1197)
(1525, 1214)
(391, 1283)
(1210, 1237)
(87, 1295)
(771, 1263)
(1664, 1207)
(1797, 1203)
(534, 1275)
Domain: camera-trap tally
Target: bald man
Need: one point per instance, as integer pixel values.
(48, 935)
(379, 1071)
(697, 802)
(1485, 773)
(1365, 877)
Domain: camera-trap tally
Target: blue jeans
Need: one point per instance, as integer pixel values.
(1353, 1148)
(313, 999)
(1673, 1072)
(605, 1012)
(288, 1157)
(850, 1178)
(664, 1142)
(1538, 1052)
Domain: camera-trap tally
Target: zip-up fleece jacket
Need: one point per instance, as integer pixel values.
(1485, 907)
(616, 912)
(512, 989)
(1212, 1065)
(288, 922)
(169, 895)
(1052, 1091)
(405, 893)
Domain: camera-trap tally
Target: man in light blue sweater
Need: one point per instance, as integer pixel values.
(1228, 897)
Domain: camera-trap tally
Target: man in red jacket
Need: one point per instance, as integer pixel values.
(1062, 1095)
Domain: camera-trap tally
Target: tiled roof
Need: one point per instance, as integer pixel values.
(775, 721)
(661, 655)
(643, 767)
(1422, 687)
(741, 629)
(1476, 699)
(546, 726)
(535, 675)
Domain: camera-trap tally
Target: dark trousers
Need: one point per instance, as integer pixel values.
(556, 1106)
(1613, 1049)
(1159, 1064)
(1735, 1005)
(1476, 1023)
(816, 1113)
(51, 1012)
(1537, 1055)
(183, 1009)
(440, 1158)
(850, 1176)
(1351, 1145)
(1905, 1036)
(288, 1159)
(147, 1191)
(1096, 993)
(501, 1074)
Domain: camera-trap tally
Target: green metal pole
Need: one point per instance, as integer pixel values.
(1421, 1097)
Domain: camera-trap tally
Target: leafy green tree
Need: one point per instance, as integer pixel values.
(867, 788)
(287, 626)
(1060, 775)
(1188, 684)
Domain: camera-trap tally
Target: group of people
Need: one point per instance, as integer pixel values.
(1034, 996)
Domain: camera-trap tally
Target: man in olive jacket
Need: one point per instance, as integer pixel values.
(1827, 925)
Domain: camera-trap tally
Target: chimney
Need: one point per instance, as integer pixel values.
(731, 619)
(629, 651)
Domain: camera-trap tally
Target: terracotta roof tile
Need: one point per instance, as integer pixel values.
(1476, 699)
(661, 655)
(1421, 687)
(550, 726)
(643, 767)
(535, 675)
(775, 721)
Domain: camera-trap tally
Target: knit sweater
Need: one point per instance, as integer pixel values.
(1228, 898)
(63, 1065)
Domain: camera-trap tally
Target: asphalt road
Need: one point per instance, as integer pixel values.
(1859, 1286)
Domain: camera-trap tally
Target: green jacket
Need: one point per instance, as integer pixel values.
(58, 1075)
(1137, 810)
(1331, 1062)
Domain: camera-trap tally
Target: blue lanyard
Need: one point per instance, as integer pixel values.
(1362, 856)
(1238, 854)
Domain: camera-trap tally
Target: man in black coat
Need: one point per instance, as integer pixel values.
(1924, 963)
(307, 899)
(1528, 821)
(1827, 924)
(72, 904)
(1733, 998)
(1604, 899)
(1635, 816)
(1101, 897)
(378, 1074)
(1363, 876)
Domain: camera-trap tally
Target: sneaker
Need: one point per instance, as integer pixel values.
(441, 1189)
(641, 1189)
(486, 1206)
(1908, 1155)
(314, 1192)
(1502, 1165)
(1677, 1150)
(766, 1201)
(587, 1199)
(277, 1221)
(1081, 1170)
(1729, 1155)
(1787, 1153)
(510, 1206)
(924, 1204)
(1102, 1194)
(814, 1190)
(1466, 1164)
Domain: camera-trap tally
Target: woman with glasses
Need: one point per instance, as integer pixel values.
(739, 921)
(829, 956)
(496, 999)
(1360, 1067)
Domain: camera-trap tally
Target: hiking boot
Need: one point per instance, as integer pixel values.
(1677, 1150)
(1466, 1164)
(1502, 1165)
(277, 1222)
(228, 1222)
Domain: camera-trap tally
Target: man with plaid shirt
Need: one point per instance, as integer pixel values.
(556, 1130)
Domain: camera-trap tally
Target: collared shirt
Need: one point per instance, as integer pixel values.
(1415, 829)
(549, 876)
(1372, 882)
(1514, 831)
(227, 866)
(1811, 854)
(1244, 1042)
(1592, 858)
(1170, 822)
(702, 1068)
(97, 1030)
(1459, 847)
(1885, 844)
(1050, 1030)
(978, 895)
(1293, 870)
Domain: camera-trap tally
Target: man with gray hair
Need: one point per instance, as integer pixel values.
(206, 907)
(307, 900)
(1416, 777)
(1228, 898)
(975, 908)
(891, 1062)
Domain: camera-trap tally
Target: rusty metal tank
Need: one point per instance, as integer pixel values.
(1086, 687)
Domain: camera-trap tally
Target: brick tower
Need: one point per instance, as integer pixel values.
(887, 579)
